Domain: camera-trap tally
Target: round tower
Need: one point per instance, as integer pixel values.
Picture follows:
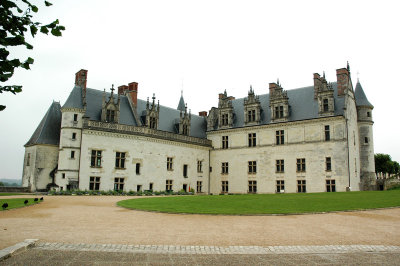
(365, 129)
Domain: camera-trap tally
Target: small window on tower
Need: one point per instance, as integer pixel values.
(366, 140)
(73, 136)
(75, 117)
(368, 114)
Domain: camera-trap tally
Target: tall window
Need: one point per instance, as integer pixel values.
(366, 140)
(151, 186)
(252, 140)
(75, 117)
(74, 136)
(251, 115)
(185, 130)
(328, 163)
(280, 186)
(169, 163)
(138, 168)
(72, 154)
(94, 183)
(280, 137)
(224, 168)
(95, 158)
(330, 185)
(252, 167)
(225, 188)
(185, 167)
(301, 186)
(326, 105)
(327, 133)
(252, 186)
(301, 165)
(280, 166)
(110, 115)
(28, 160)
(225, 142)
(118, 183)
(199, 186)
(279, 112)
(199, 166)
(120, 160)
(224, 118)
(168, 185)
(153, 122)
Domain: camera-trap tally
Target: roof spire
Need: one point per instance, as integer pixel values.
(181, 104)
(323, 74)
(348, 66)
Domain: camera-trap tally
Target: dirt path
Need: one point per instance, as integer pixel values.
(96, 219)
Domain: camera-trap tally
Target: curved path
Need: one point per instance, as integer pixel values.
(97, 219)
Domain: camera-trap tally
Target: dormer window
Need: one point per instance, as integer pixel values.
(153, 122)
(326, 105)
(279, 112)
(110, 108)
(224, 121)
(152, 113)
(185, 130)
(252, 108)
(279, 103)
(251, 115)
(110, 116)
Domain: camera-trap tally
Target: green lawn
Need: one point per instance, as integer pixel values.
(268, 203)
(16, 203)
(10, 193)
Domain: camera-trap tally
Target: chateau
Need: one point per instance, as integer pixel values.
(312, 139)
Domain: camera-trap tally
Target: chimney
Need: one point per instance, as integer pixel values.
(220, 95)
(317, 84)
(133, 90)
(343, 79)
(231, 98)
(272, 87)
(203, 113)
(81, 78)
(122, 89)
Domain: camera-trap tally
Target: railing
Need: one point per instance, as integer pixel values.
(144, 131)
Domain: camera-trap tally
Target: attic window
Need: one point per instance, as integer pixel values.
(110, 116)
(279, 112)
(153, 122)
(326, 105)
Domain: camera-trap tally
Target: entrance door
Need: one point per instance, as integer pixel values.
(184, 187)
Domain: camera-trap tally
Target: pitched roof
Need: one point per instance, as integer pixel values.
(48, 131)
(361, 98)
(181, 105)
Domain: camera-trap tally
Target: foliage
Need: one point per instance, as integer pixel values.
(249, 204)
(16, 20)
(16, 203)
(117, 193)
(384, 164)
(1, 184)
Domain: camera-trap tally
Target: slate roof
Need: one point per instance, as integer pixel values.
(361, 98)
(48, 131)
(181, 105)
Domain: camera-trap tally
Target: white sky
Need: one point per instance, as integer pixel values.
(210, 46)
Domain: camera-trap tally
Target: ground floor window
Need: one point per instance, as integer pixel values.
(94, 183)
(168, 185)
(199, 186)
(118, 183)
(252, 186)
(151, 186)
(139, 188)
(225, 186)
(280, 186)
(330, 185)
(301, 186)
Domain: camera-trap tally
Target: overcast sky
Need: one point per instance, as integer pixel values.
(206, 47)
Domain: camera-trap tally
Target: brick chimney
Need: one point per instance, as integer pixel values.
(81, 78)
(272, 87)
(203, 113)
(133, 90)
(221, 95)
(343, 79)
(122, 89)
(317, 84)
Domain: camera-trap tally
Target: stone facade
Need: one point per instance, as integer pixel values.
(311, 139)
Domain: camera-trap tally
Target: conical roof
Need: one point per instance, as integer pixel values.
(361, 98)
(181, 105)
(48, 131)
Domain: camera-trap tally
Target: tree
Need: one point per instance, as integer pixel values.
(384, 164)
(1, 184)
(14, 24)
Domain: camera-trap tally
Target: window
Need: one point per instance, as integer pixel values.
(252, 186)
(199, 186)
(120, 160)
(94, 183)
(199, 166)
(185, 130)
(74, 136)
(251, 115)
(252, 167)
(301, 165)
(225, 142)
(138, 168)
(368, 114)
(185, 167)
(326, 105)
(327, 133)
(301, 186)
(72, 154)
(169, 163)
(366, 140)
(96, 158)
(168, 185)
(28, 160)
(328, 163)
(63, 176)
(151, 186)
(252, 139)
(139, 188)
(224, 119)
(280, 166)
(110, 115)
(330, 185)
(280, 137)
(279, 112)
(224, 168)
(210, 169)
(118, 183)
(225, 187)
(75, 117)
(280, 186)
(153, 122)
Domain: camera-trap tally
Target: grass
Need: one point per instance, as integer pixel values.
(249, 204)
(10, 193)
(16, 203)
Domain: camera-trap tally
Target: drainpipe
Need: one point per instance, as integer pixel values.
(348, 151)
(209, 154)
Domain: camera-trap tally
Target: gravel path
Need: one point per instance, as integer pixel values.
(97, 219)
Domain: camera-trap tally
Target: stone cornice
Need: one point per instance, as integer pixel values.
(70, 109)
